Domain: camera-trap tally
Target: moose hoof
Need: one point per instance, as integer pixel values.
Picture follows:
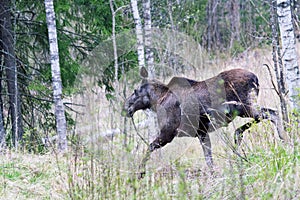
(141, 175)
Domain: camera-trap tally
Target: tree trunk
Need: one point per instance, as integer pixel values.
(212, 39)
(289, 54)
(148, 39)
(139, 34)
(2, 130)
(234, 22)
(11, 72)
(111, 4)
(61, 126)
(277, 60)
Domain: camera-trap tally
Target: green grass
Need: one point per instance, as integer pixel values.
(26, 176)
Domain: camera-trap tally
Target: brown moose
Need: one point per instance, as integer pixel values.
(186, 107)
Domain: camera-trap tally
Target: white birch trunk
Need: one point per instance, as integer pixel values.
(148, 39)
(2, 129)
(289, 55)
(139, 34)
(111, 2)
(61, 126)
(277, 59)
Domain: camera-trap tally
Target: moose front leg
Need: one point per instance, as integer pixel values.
(165, 137)
(142, 167)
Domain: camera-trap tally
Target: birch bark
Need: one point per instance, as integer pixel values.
(111, 4)
(2, 129)
(61, 126)
(277, 60)
(148, 39)
(139, 34)
(289, 55)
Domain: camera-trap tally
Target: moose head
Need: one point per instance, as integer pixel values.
(139, 100)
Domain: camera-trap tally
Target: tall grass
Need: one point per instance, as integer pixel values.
(272, 172)
(109, 171)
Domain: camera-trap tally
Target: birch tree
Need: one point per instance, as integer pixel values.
(148, 39)
(113, 12)
(277, 60)
(289, 54)
(61, 126)
(114, 42)
(2, 129)
(139, 35)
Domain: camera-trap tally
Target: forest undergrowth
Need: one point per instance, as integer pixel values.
(110, 171)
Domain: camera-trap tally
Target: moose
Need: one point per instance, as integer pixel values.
(192, 108)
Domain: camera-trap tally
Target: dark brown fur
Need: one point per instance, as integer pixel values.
(190, 108)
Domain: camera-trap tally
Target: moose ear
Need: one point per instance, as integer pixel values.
(143, 73)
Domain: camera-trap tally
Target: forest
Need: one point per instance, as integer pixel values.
(67, 68)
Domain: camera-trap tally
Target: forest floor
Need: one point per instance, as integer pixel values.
(106, 167)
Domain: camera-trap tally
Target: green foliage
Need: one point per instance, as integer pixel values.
(9, 171)
(128, 67)
(237, 48)
(81, 26)
(33, 141)
(187, 16)
(24, 171)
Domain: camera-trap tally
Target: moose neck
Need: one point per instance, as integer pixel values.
(157, 91)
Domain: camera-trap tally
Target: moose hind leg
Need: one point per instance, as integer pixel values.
(206, 146)
(238, 134)
(264, 113)
(273, 116)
